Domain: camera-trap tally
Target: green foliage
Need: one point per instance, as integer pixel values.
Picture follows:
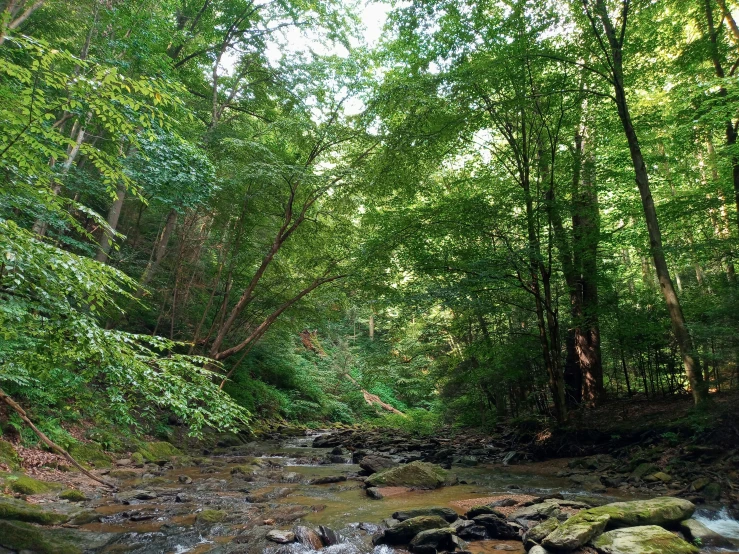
(418, 422)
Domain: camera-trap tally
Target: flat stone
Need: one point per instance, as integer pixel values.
(664, 511)
(447, 513)
(404, 531)
(420, 475)
(497, 527)
(374, 464)
(539, 511)
(281, 537)
(647, 539)
(538, 533)
(440, 539)
(695, 530)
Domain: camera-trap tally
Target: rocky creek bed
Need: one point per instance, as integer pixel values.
(359, 493)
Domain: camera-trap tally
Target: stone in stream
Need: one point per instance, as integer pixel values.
(472, 532)
(281, 537)
(327, 480)
(537, 512)
(480, 510)
(128, 496)
(404, 531)
(374, 493)
(374, 464)
(647, 539)
(576, 531)
(447, 513)
(420, 475)
(308, 537)
(438, 539)
(185, 479)
(328, 536)
(538, 533)
(696, 531)
(497, 527)
(665, 511)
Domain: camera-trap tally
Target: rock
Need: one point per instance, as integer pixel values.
(538, 533)
(182, 497)
(642, 470)
(576, 531)
(327, 441)
(712, 492)
(404, 531)
(211, 516)
(23, 537)
(497, 527)
(469, 461)
(328, 479)
(185, 479)
(291, 477)
(697, 532)
(308, 537)
(158, 452)
(127, 496)
(22, 484)
(588, 481)
(73, 495)
(503, 502)
(473, 533)
(447, 513)
(660, 476)
(20, 510)
(664, 511)
(539, 511)
(9, 456)
(375, 464)
(90, 455)
(700, 483)
(480, 510)
(137, 459)
(374, 493)
(438, 539)
(418, 475)
(329, 537)
(123, 474)
(648, 539)
(510, 457)
(539, 550)
(281, 537)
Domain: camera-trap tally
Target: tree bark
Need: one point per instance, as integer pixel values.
(159, 253)
(106, 242)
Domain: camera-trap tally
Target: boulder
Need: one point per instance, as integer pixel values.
(447, 513)
(375, 493)
(404, 531)
(538, 511)
(576, 531)
(158, 452)
(665, 511)
(20, 510)
(472, 532)
(647, 539)
(308, 537)
(660, 476)
(480, 510)
(90, 455)
(539, 550)
(538, 533)
(419, 475)
(18, 536)
(696, 531)
(588, 481)
(712, 492)
(328, 479)
(375, 464)
(23, 484)
(642, 470)
(211, 517)
(497, 527)
(281, 537)
(439, 539)
(328, 536)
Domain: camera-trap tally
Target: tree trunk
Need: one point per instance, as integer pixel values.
(677, 319)
(106, 242)
(159, 253)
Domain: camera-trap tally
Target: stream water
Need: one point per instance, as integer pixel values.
(224, 512)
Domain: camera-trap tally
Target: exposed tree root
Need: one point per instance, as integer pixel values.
(48, 442)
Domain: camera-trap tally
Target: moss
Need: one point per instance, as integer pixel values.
(211, 516)
(22, 484)
(73, 495)
(22, 536)
(89, 454)
(11, 508)
(9, 456)
(157, 452)
(416, 474)
(137, 458)
(123, 474)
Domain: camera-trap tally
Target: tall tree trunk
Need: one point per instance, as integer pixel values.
(106, 242)
(614, 53)
(159, 252)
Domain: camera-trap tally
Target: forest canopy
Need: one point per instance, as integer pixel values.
(228, 212)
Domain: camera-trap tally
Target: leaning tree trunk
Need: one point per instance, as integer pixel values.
(114, 213)
(159, 253)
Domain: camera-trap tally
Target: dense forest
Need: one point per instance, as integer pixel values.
(229, 212)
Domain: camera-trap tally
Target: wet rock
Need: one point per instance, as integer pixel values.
(308, 537)
(20, 510)
(182, 497)
(510, 457)
(472, 532)
(184, 479)
(447, 513)
(697, 532)
(374, 464)
(576, 531)
(375, 493)
(539, 550)
(419, 475)
(327, 441)
(497, 527)
(136, 494)
(24, 537)
(210, 517)
(438, 539)
(404, 531)
(648, 539)
(329, 537)
(503, 502)
(537, 512)
(281, 537)
(664, 511)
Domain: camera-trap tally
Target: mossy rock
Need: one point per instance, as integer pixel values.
(9, 456)
(24, 537)
(12, 508)
(211, 516)
(137, 458)
(23, 484)
(420, 475)
(123, 474)
(90, 455)
(73, 495)
(576, 531)
(648, 539)
(404, 531)
(665, 511)
(158, 452)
